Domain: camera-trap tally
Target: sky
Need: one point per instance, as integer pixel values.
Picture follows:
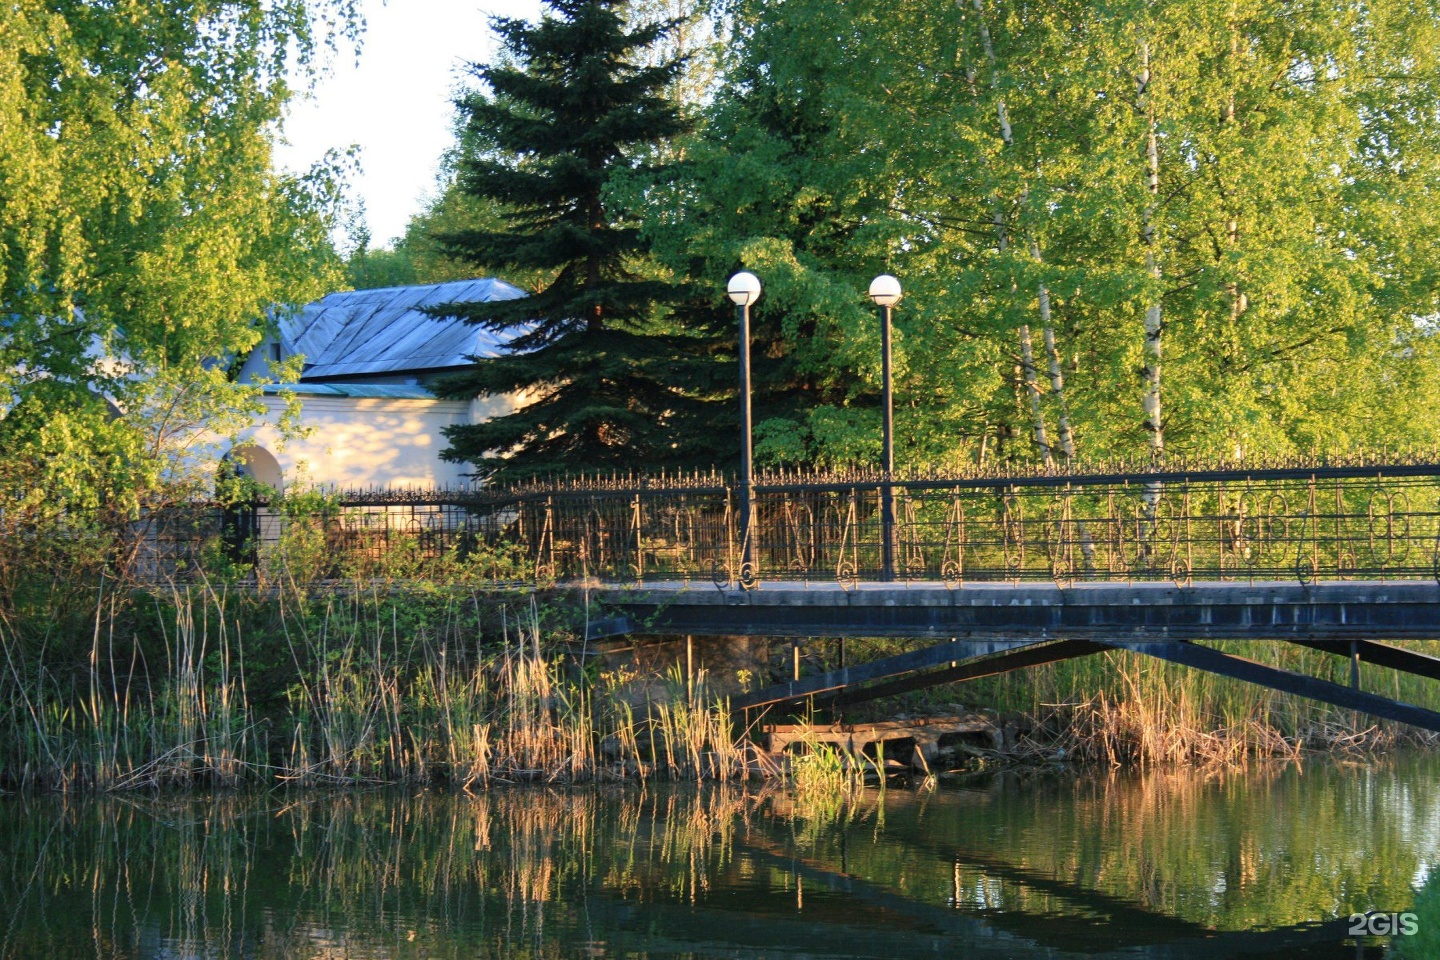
(395, 103)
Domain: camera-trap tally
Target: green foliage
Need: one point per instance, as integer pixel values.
(144, 237)
(586, 350)
(986, 151)
(695, 36)
(764, 188)
(421, 255)
(1425, 942)
(367, 269)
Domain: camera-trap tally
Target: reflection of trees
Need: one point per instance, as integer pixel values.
(1229, 850)
(500, 867)
(1148, 858)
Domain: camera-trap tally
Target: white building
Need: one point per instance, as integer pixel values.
(367, 416)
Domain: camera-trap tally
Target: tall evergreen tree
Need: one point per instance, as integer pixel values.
(567, 106)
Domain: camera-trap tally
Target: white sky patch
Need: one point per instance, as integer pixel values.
(395, 103)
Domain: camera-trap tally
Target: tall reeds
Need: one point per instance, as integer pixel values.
(367, 696)
(367, 700)
(1125, 708)
(386, 681)
(184, 722)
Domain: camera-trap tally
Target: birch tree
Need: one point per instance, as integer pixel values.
(1056, 374)
(1154, 327)
(1223, 211)
(143, 233)
(694, 39)
(1029, 377)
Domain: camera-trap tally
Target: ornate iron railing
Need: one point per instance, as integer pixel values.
(1306, 520)
(1282, 523)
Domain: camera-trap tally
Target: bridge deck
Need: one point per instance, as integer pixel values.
(1330, 610)
(998, 627)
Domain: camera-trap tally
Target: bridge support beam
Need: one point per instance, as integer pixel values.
(1286, 681)
(1031, 656)
(1380, 654)
(960, 660)
(964, 660)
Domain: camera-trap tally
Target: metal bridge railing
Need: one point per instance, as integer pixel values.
(1320, 522)
(1255, 525)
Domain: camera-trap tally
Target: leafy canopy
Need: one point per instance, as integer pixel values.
(143, 234)
(985, 151)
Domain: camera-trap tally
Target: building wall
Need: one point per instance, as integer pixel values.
(352, 442)
(256, 367)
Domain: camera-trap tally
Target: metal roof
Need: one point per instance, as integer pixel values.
(384, 331)
(392, 391)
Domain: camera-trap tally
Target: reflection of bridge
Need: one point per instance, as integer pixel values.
(1008, 571)
(1089, 922)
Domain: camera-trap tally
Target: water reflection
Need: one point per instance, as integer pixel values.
(1265, 862)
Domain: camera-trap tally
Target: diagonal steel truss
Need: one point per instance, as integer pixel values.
(959, 661)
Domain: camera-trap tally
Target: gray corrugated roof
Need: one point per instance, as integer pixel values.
(393, 391)
(366, 332)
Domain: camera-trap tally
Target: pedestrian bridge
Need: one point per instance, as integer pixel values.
(1000, 570)
(1003, 572)
(1182, 524)
(984, 629)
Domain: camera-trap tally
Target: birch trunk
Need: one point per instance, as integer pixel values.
(1057, 377)
(1154, 328)
(1239, 302)
(1057, 386)
(1057, 374)
(1028, 366)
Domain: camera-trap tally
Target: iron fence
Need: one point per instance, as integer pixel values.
(1282, 522)
(1323, 524)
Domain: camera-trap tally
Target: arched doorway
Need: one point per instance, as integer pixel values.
(246, 525)
(259, 465)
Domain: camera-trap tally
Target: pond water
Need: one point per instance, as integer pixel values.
(1269, 861)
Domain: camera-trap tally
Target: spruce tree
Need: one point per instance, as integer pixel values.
(567, 106)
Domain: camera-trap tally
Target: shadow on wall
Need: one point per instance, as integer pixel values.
(352, 443)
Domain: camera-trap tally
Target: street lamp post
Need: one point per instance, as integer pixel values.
(743, 290)
(885, 291)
